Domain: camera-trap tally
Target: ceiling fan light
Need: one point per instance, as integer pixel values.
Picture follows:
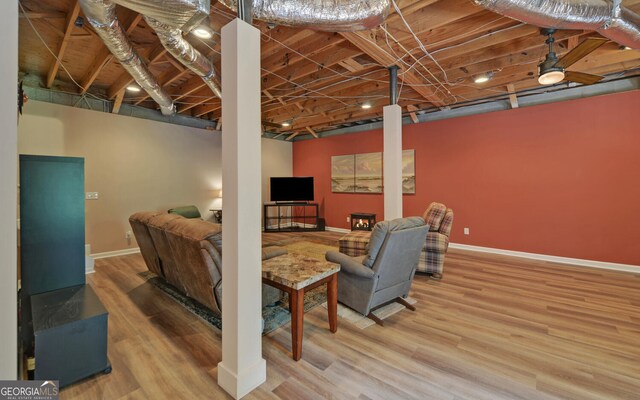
(551, 77)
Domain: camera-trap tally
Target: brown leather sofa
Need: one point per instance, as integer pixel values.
(187, 253)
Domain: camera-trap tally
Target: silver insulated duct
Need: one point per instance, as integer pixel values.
(609, 18)
(102, 16)
(326, 15)
(183, 51)
(181, 14)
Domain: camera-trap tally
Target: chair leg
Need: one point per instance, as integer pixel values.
(375, 319)
(404, 303)
(436, 276)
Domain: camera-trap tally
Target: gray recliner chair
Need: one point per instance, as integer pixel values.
(385, 273)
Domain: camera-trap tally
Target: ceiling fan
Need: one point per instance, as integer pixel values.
(553, 70)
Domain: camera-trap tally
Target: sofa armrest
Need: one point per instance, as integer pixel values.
(272, 251)
(349, 265)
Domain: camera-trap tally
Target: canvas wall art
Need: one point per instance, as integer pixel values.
(369, 173)
(343, 176)
(408, 172)
(362, 173)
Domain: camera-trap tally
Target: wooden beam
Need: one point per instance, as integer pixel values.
(293, 135)
(513, 98)
(71, 19)
(370, 47)
(118, 102)
(43, 14)
(412, 109)
(103, 59)
(312, 132)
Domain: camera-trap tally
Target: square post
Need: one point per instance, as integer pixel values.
(392, 161)
(242, 368)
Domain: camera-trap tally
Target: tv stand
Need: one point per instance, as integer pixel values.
(290, 216)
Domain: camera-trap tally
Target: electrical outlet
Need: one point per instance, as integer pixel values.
(466, 231)
(127, 235)
(348, 219)
(91, 196)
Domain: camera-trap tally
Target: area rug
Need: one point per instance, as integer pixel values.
(274, 316)
(361, 321)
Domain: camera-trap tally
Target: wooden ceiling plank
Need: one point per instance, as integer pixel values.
(69, 25)
(312, 132)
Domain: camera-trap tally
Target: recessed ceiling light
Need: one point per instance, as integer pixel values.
(133, 88)
(202, 33)
(483, 78)
(286, 124)
(366, 106)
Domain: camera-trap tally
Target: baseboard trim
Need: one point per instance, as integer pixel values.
(549, 258)
(339, 230)
(115, 253)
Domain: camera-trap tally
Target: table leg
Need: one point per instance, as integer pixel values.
(296, 300)
(332, 302)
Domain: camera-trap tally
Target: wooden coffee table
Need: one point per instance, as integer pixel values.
(295, 274)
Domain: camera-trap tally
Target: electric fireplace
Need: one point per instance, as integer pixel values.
(362, 221)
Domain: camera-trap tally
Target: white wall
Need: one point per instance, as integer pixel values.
(8, 190)
(135, 164)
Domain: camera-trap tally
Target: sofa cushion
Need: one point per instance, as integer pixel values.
(380, 231)
(445, 227)
(186, 211)
(144, 216)
(193, 229)
(434, 215)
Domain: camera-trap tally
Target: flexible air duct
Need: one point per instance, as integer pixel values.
(182, 14)
(327, 15)
(183, 51)
(609, 18)
(102, 16)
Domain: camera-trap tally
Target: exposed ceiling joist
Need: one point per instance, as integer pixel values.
(72, 15)
(513, 98)
(369, 46)
(412, 109)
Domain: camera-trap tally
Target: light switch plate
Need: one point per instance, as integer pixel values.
(91, 196)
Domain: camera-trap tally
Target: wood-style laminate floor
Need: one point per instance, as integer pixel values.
(494, 327)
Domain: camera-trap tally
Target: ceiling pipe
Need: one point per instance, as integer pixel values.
(245, 10)
(393, 84)
(102, 16)
(323, 15)
(609, 18)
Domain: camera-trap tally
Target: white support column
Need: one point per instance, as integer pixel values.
(8, 190)
(392, 161)
(242, 368)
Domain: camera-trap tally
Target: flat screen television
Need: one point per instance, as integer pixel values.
(292, 189)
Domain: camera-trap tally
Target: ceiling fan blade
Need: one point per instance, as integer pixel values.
(581, 77)
(580, 51)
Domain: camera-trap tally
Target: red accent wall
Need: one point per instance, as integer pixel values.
(560, 179)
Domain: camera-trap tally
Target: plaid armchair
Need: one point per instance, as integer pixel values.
(439, 218)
